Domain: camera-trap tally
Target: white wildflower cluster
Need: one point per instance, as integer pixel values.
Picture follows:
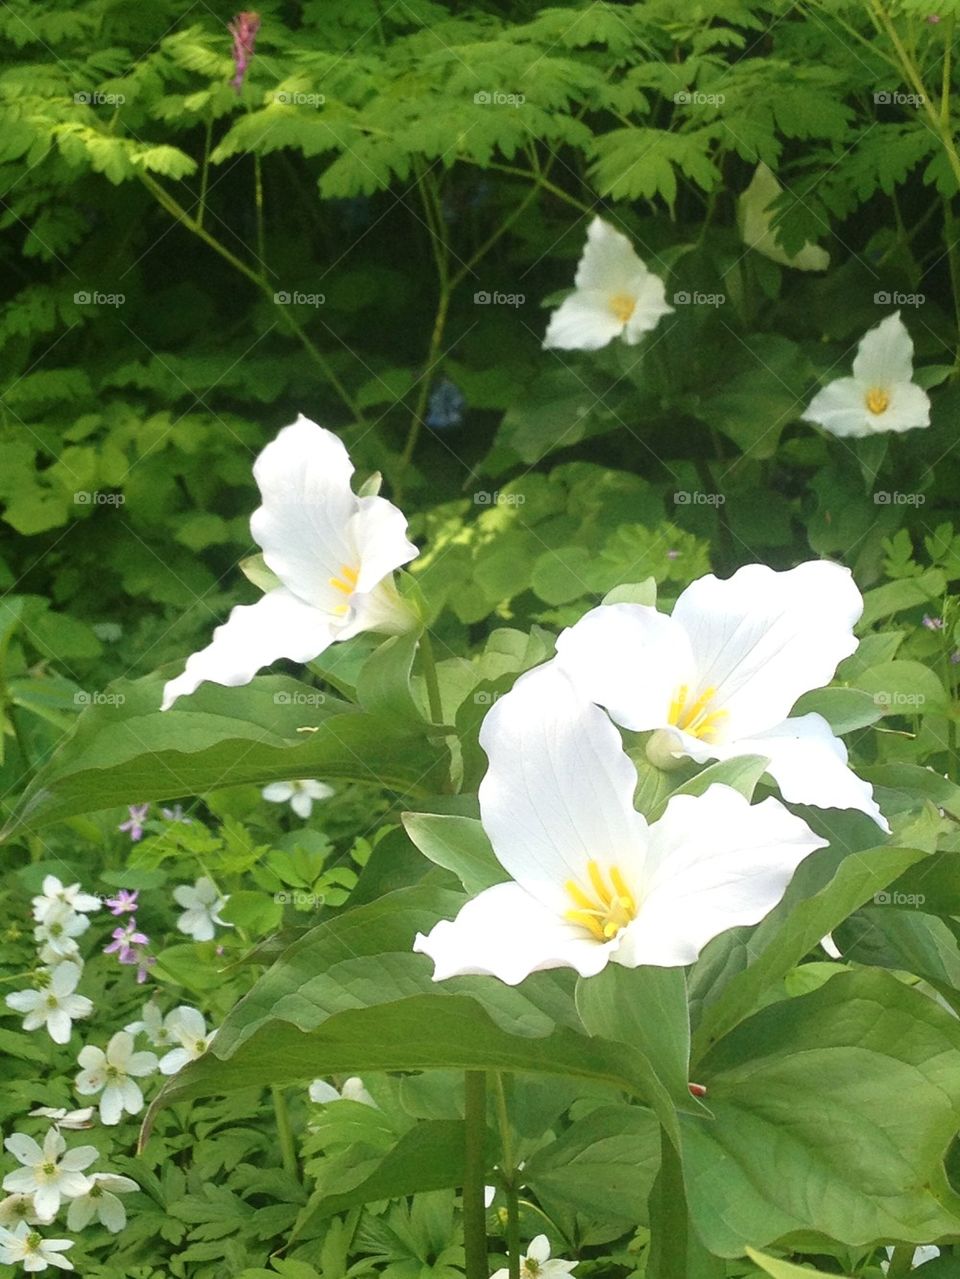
(202, 903)
(54, 1179)
(61, 915)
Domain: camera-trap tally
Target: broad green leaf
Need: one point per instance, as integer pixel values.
(904, 688)
(273, 729)
(896, 597)
(831, 1114)
(782, 940)
(645, 1008)
(780, 1269)
(459, 844)
(844, 709)
(742, 773)
(383, 685)
(603, 1165)
(644, 592)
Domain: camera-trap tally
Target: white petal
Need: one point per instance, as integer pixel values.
(317, 790)
(142, 1063)
(187, 1023)
(630, 659)
(840, 408)
(503, 932)
(715, 862)
(302, 805)
(320, 1091)
(80, 1213)
(59, 1026)
(756, 225)
(762, 638)
(79, 1158)
(132, 1097)
(112, 1213)
(64, 979)
(119, 1049)
(186, 895)
(649, 309)
(304, 478)
(885, 354)
(909, 407)
(379, 532)
(253, 636)
(559, 790)
(174, 1061)
(582, 322)
(608, 260)
(23, 1148)
(277, 792)
(830, 946)
(25, 1001)
(21, 1181)
(809, 764)
(539, 1249)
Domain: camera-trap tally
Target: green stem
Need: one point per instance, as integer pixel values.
(179, 214)
(258, 203)
(901, 1263)
(288, 1152)
(416, 422)
(428, 665)
(508, 1170)
(668, 1217)
(474, 1212)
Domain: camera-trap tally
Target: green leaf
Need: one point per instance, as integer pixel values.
(459, 844)
(831, 1115)
(383, 685)
(781, 1269)
(777, 944)
(603, 1165)
(844, 709)
(644, 592)
(351, 996)
(742, 773)
(133, 752)
(904, 688)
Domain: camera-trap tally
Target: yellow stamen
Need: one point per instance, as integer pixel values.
(877, 400)
(347, 581)
(697, 719)
(609, 911)
(623, 306)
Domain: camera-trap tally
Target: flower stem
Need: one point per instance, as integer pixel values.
(429, 667)
(508, 1168)
(474, 1212)
(901, 1263)
(288, 1152)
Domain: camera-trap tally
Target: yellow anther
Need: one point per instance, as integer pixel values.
(623, 306)
(610, 910)
(697, 719)
(347, 581)
(878, 400)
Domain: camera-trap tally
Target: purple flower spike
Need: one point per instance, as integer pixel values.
(244, 30)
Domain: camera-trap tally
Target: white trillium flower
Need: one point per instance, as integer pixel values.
(72, 1120)
(50, 1172)
(57, 894)
(592, 881)
(881, 395)
(300, 795)
(720, 675)
(188, 1029)
(59, 928)
(538, 1264)
(55, 1005)
(353, 1090)
(332, 552)
(202, 904)
(25, 1246)
(615, 296)
(755, 220)
(101, 1202)
(112, 1073)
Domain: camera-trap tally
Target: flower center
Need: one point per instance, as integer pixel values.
(877, 400)
(95, 1191)
(609, 909)
(346, 584)
(48, 1169)
(200, 1046)
(52, 1001)
(696, 718)
(113, 1072)
(623, 306)
(33, 1241)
